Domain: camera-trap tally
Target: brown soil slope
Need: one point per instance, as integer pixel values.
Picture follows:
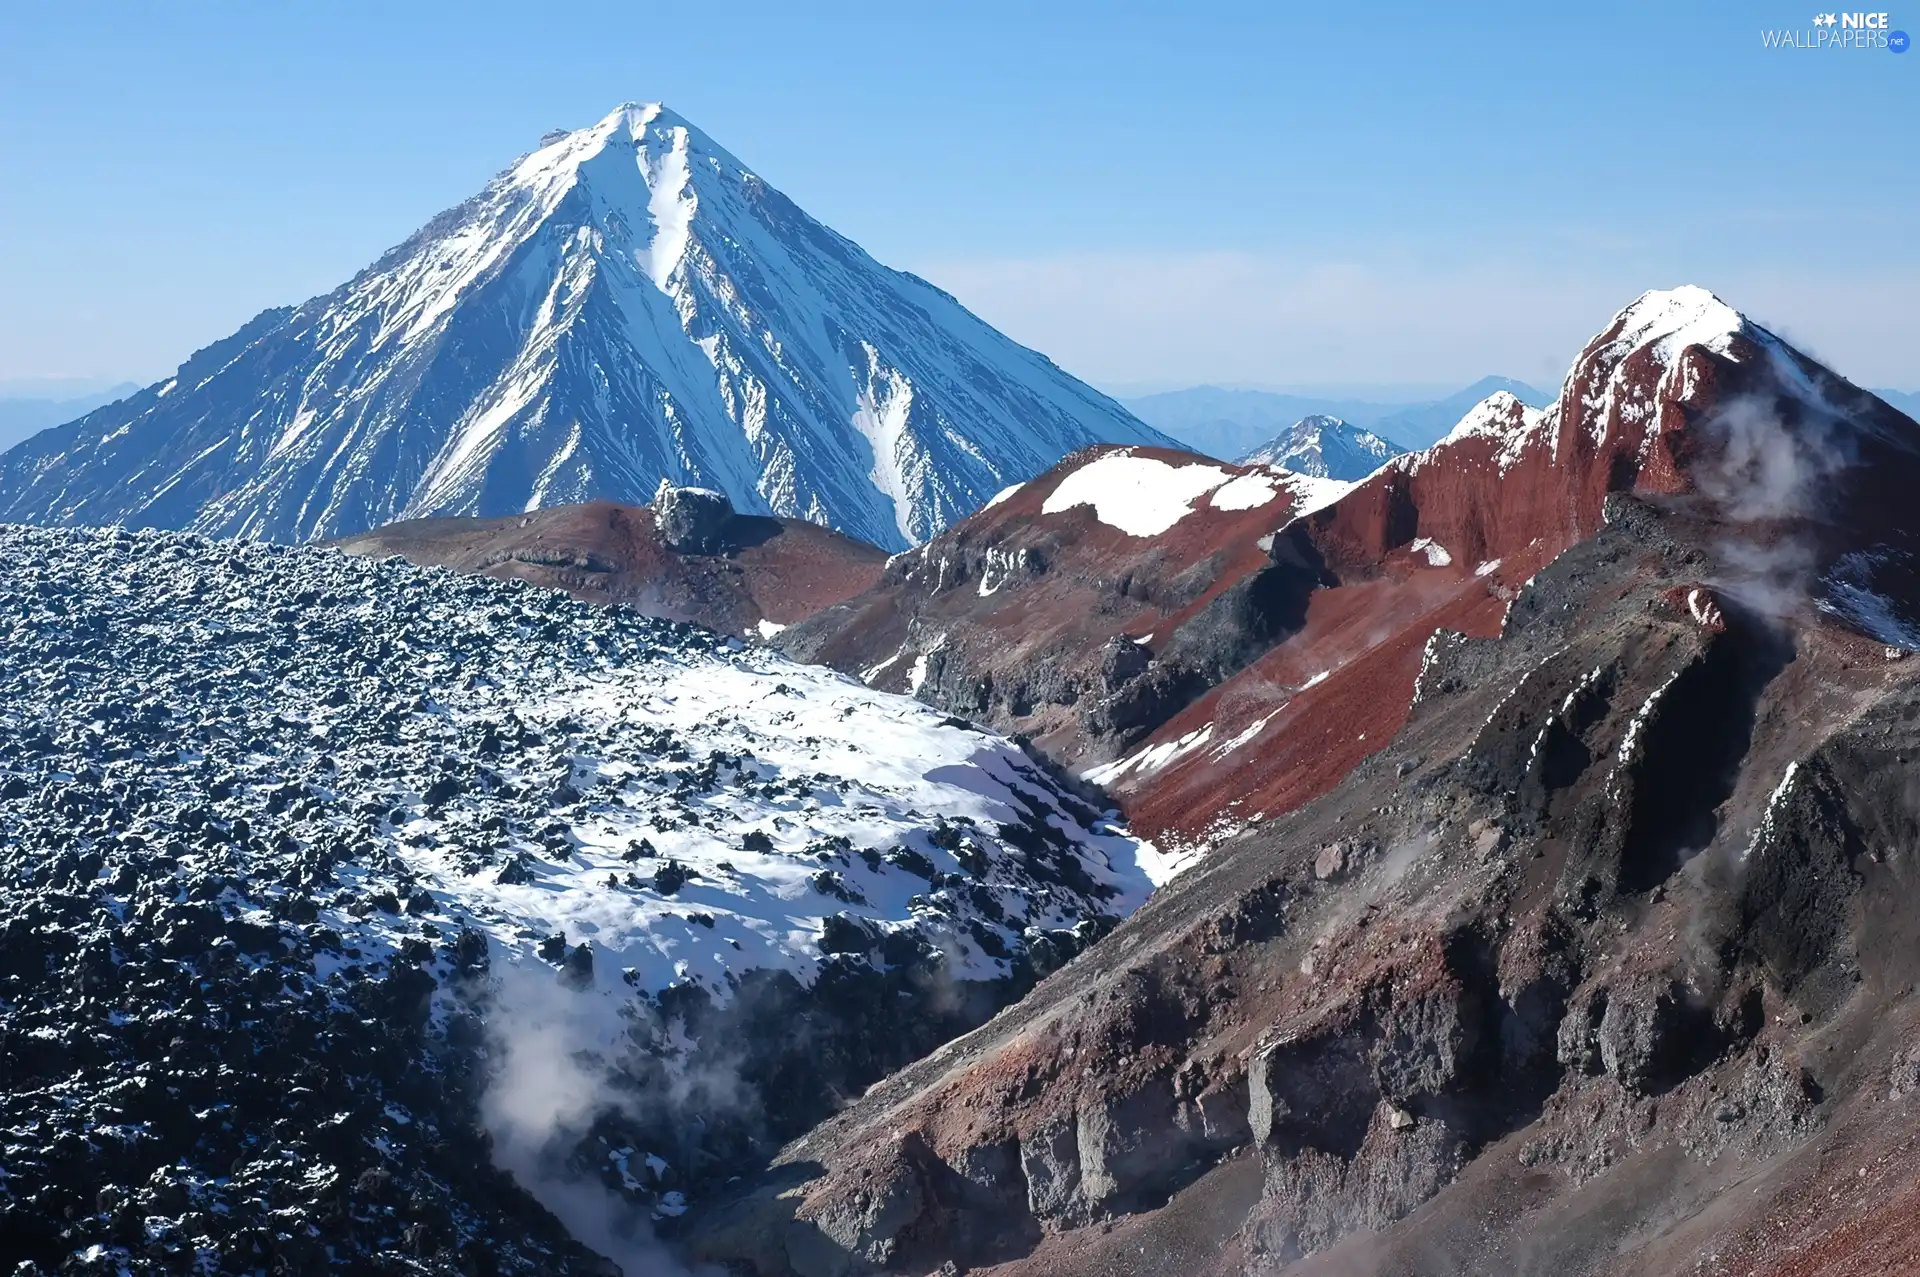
(758, 569)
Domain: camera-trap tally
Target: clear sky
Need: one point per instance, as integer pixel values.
(1154, 194)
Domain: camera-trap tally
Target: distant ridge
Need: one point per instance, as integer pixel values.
(1230, 423)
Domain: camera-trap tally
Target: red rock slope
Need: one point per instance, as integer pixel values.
(1212, 674)
(1678, 397)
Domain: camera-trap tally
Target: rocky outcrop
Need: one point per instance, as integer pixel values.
(692, 520)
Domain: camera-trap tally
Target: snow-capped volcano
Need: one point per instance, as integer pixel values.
(1326, 448)
(626, 303)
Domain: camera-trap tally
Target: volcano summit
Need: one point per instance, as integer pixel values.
(626, 303)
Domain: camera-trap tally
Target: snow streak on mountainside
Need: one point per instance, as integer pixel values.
(1326, 448)
(626, 303)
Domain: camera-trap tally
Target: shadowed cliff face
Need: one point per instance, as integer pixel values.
(1564, 922)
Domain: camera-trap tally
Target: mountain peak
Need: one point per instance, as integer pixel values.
(624, 304)
(1501, 415)
(1325, 447)
(1676, 318)
(1681, 399)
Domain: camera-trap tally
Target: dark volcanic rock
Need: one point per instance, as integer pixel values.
(298, 848)
(692, 520)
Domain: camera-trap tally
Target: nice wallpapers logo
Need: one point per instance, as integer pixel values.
(1839, 31)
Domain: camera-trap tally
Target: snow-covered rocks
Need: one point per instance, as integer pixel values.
(1145, 496)
(254, 790)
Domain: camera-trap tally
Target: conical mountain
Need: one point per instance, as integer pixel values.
(1325, 447)
(627, 303)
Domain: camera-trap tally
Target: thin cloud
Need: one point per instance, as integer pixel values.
(1189, 318)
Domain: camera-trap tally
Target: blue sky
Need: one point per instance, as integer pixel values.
(1154, 194)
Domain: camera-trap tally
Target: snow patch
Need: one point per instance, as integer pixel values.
(1149, 759)
(1247, 734)
(1141, 496)
(1770, 815)
(1162, 866)
(918, 677)
(671, 203)
(1310, 492)
(1630, 742)
(872, 672)
(1245, 492)
(1500, 417)
(1846, 593)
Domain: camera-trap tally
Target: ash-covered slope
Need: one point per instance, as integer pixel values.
(1326, 448)
(323, 877)
(626, 303)
(741, 574)
(1605, 964)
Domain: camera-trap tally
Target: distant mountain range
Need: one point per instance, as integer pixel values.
(23, 416)
(1232, 423)
(626, 303)
(1907, 401)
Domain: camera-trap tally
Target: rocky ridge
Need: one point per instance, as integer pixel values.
(740, 574)
(1592, 927)
(1679, 395)
(1084, 608)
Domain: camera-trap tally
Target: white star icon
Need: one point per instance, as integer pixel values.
(1825, 20)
